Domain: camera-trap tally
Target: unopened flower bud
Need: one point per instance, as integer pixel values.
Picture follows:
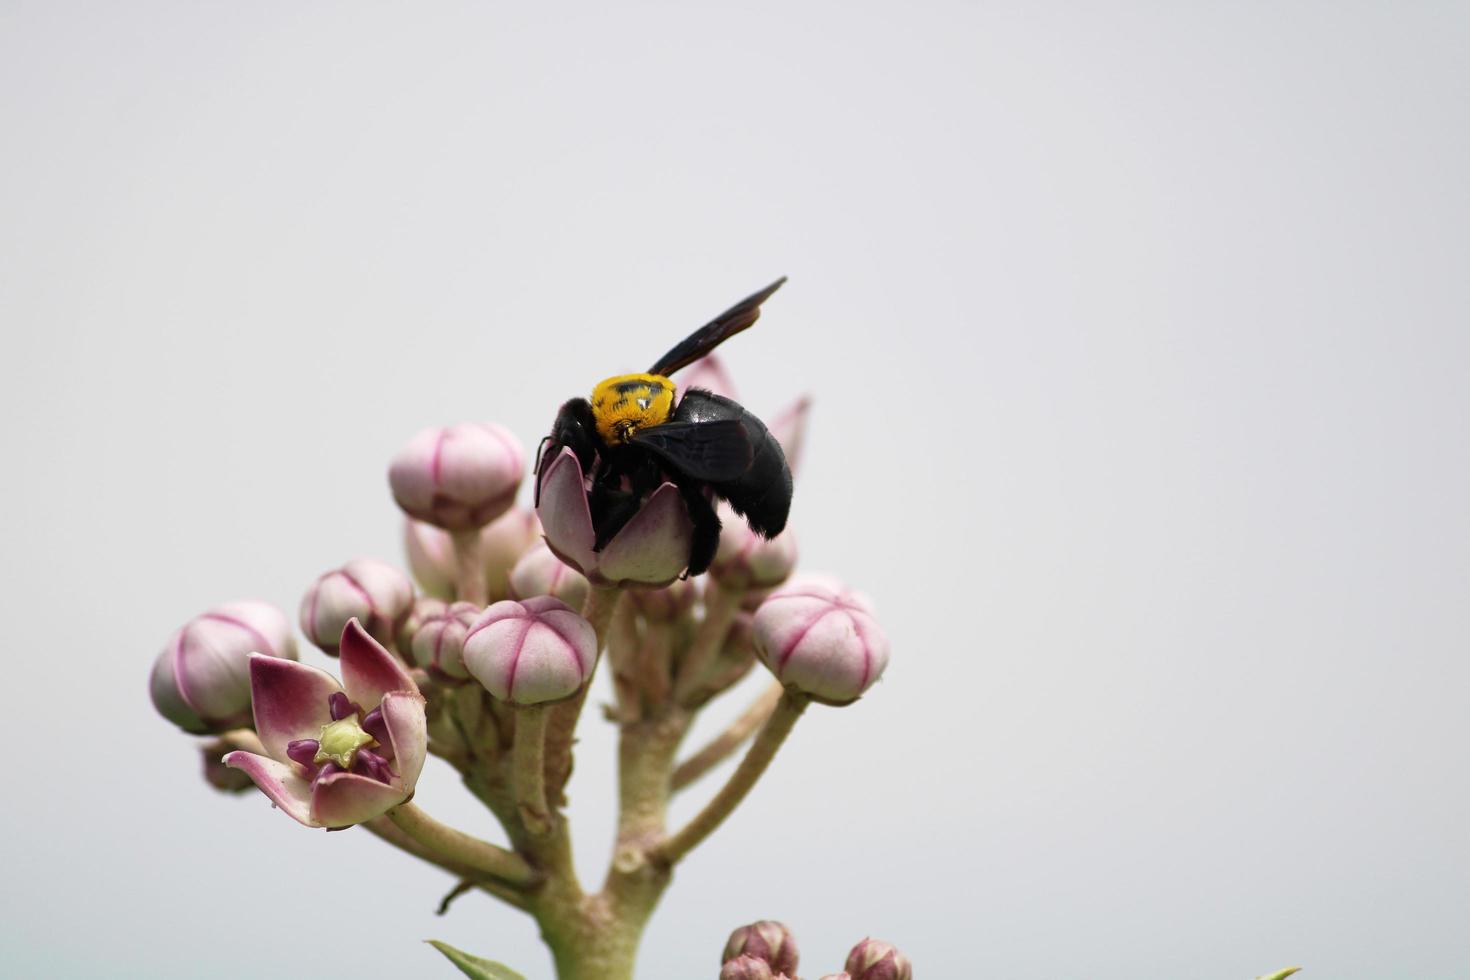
(373, 592)
(459, 476)
(540, 572)
(503, 542)
(666, 604)
(745, 560)
(766, 940)
(219, 775)
(430, 558)
(820, 639)
(873, 959)
(201, 679)
(438, 643)
(530, 651)
(844, 975)
(747, 968)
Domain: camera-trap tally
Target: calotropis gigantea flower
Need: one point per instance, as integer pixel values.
(438, 642)
(531, 651)
(873, 959)
(540, 572)
(458, 477)
(766, 940)
(651, 549)
(820, 638)
(370, 591)
(201, 679)
(336, 757)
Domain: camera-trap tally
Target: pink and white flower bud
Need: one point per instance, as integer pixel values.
(651, 549)
(540, 572)
(747, 968)
(873, 959)
(458, 477)
(201, 679)
(373, 592)
(430, 558)
(821, 639)
(710, 374)
(530, 651)
(438, 643)
(844, 975)
(503, 543)
(789, 428)
(666, 604)
(766, 940)
(745, 560)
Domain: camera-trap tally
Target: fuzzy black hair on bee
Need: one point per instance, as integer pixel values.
(634, 433)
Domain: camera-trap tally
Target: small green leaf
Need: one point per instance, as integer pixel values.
(1280, 974)
(473, 966)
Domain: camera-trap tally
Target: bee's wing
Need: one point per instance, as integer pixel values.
(716, 332)
(713, 451)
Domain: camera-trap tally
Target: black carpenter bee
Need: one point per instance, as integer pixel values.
(631, 437)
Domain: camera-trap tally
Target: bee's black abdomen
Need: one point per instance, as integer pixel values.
(762, 494)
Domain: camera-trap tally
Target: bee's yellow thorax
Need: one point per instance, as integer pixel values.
(623, 405)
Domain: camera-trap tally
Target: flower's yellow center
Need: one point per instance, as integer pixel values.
(340, 741)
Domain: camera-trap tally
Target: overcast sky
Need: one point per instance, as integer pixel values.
(1138, 341)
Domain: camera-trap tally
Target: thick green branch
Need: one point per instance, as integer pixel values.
(460, 848)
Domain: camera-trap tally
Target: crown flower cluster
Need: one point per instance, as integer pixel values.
(484, 651)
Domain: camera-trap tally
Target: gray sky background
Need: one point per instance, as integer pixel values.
(1139, 345)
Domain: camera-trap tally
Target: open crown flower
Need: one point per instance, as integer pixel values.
(651, 549)
(336, 754)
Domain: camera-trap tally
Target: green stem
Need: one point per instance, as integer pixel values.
(386, 830)
(562, 723)
(757, 759)
(721, 605)
(460, 848)
(528, 768)
(725, 743)
(469, 567)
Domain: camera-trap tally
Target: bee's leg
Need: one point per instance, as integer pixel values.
(706, 524)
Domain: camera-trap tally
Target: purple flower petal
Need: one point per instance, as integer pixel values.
(342, 799)
(408, 734)
(368, 670)
(289, 700)
(280, 782)
(302, 751)
(565, 516)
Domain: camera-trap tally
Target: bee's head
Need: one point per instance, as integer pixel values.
(629, 402)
